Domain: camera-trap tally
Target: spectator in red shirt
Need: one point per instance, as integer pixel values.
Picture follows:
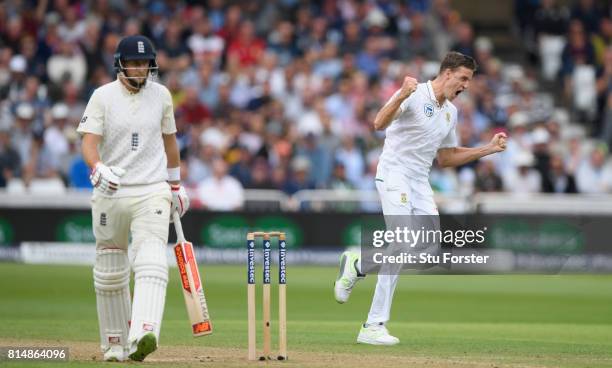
(246, 49)
(192, 110)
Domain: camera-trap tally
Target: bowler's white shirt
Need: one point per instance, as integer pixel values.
(131, 126)
(421, 128)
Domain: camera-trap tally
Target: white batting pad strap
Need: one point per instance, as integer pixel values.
(111, 282)
(151, 277)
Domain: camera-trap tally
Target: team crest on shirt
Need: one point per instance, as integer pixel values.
(448, 117)
(428, 109)
(403, 198)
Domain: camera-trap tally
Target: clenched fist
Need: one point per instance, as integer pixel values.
(498, 142)
(408, 86)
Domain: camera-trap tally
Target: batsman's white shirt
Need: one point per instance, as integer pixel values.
(131, 126)
(412, 141)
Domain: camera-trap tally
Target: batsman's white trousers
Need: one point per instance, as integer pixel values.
(145, 220)
(400, 196)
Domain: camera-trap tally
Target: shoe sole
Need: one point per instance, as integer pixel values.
(362, 340)
(146, 345)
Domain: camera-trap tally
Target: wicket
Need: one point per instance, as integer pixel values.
(282, 295)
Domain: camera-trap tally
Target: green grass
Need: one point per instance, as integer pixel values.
(551, 321)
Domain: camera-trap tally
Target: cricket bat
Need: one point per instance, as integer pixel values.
(197, 309)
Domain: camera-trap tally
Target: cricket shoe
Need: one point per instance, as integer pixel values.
(144, 346)
(114, 353)
(376, 334)
(347, 276)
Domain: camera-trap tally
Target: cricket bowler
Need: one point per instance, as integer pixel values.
(420, 122)
(129, 143)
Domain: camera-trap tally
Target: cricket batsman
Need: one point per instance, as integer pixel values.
(129, 143)
(420, 122)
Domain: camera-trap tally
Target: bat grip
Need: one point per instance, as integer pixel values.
(176, 218)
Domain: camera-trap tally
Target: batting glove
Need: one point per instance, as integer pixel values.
(180, 200)
(105, 178)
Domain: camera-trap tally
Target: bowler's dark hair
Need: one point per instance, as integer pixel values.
(454, 60)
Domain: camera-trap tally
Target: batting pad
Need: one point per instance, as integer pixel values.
(111, 282)
(151, 277)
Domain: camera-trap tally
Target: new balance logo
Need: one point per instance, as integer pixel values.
(158, 212)
(103, 219)
(141, 48)
(83, 120)
(134, 141)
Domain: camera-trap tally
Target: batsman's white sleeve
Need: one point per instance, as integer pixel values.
(93, 117)
(168, 123)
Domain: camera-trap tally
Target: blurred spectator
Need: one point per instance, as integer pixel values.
(173, 53)
(558, 180)
(54, 138)
(300, 168)
(579, 50)
(367, 60)
(221, 192)
(420, 40)
(42, 164)
(551, 18)
(68, 64)
(352, 160)
(204, 43)
(465, 39)
(351, 44)
(602, 40)
(594, 175)
(588, 13)
(22, 132)
(487, 179)
(191, 109)
(72, 28)
(10, 163)
(523, 178)
(281, 41)
(260, 176)
(200, 165)
(246, 49)
(338, 180)
(540, 140)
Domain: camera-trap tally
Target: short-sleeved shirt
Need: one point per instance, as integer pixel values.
(131, 126)
(422, 127)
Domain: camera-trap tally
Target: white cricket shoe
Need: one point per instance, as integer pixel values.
(115, 353)
(376, 334)
(347, 276)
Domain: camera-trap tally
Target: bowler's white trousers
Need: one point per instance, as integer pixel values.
(400, 195)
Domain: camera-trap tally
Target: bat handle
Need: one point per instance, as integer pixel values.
(176, 218)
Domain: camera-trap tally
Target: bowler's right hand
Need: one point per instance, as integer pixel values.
(408, 86)
(105, 178)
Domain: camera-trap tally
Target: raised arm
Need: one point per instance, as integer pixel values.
(391, 110)
(457, 156)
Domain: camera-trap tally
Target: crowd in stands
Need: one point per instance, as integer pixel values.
(282, 94)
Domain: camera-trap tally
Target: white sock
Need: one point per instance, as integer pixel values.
(151, 278)
(111, 282)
